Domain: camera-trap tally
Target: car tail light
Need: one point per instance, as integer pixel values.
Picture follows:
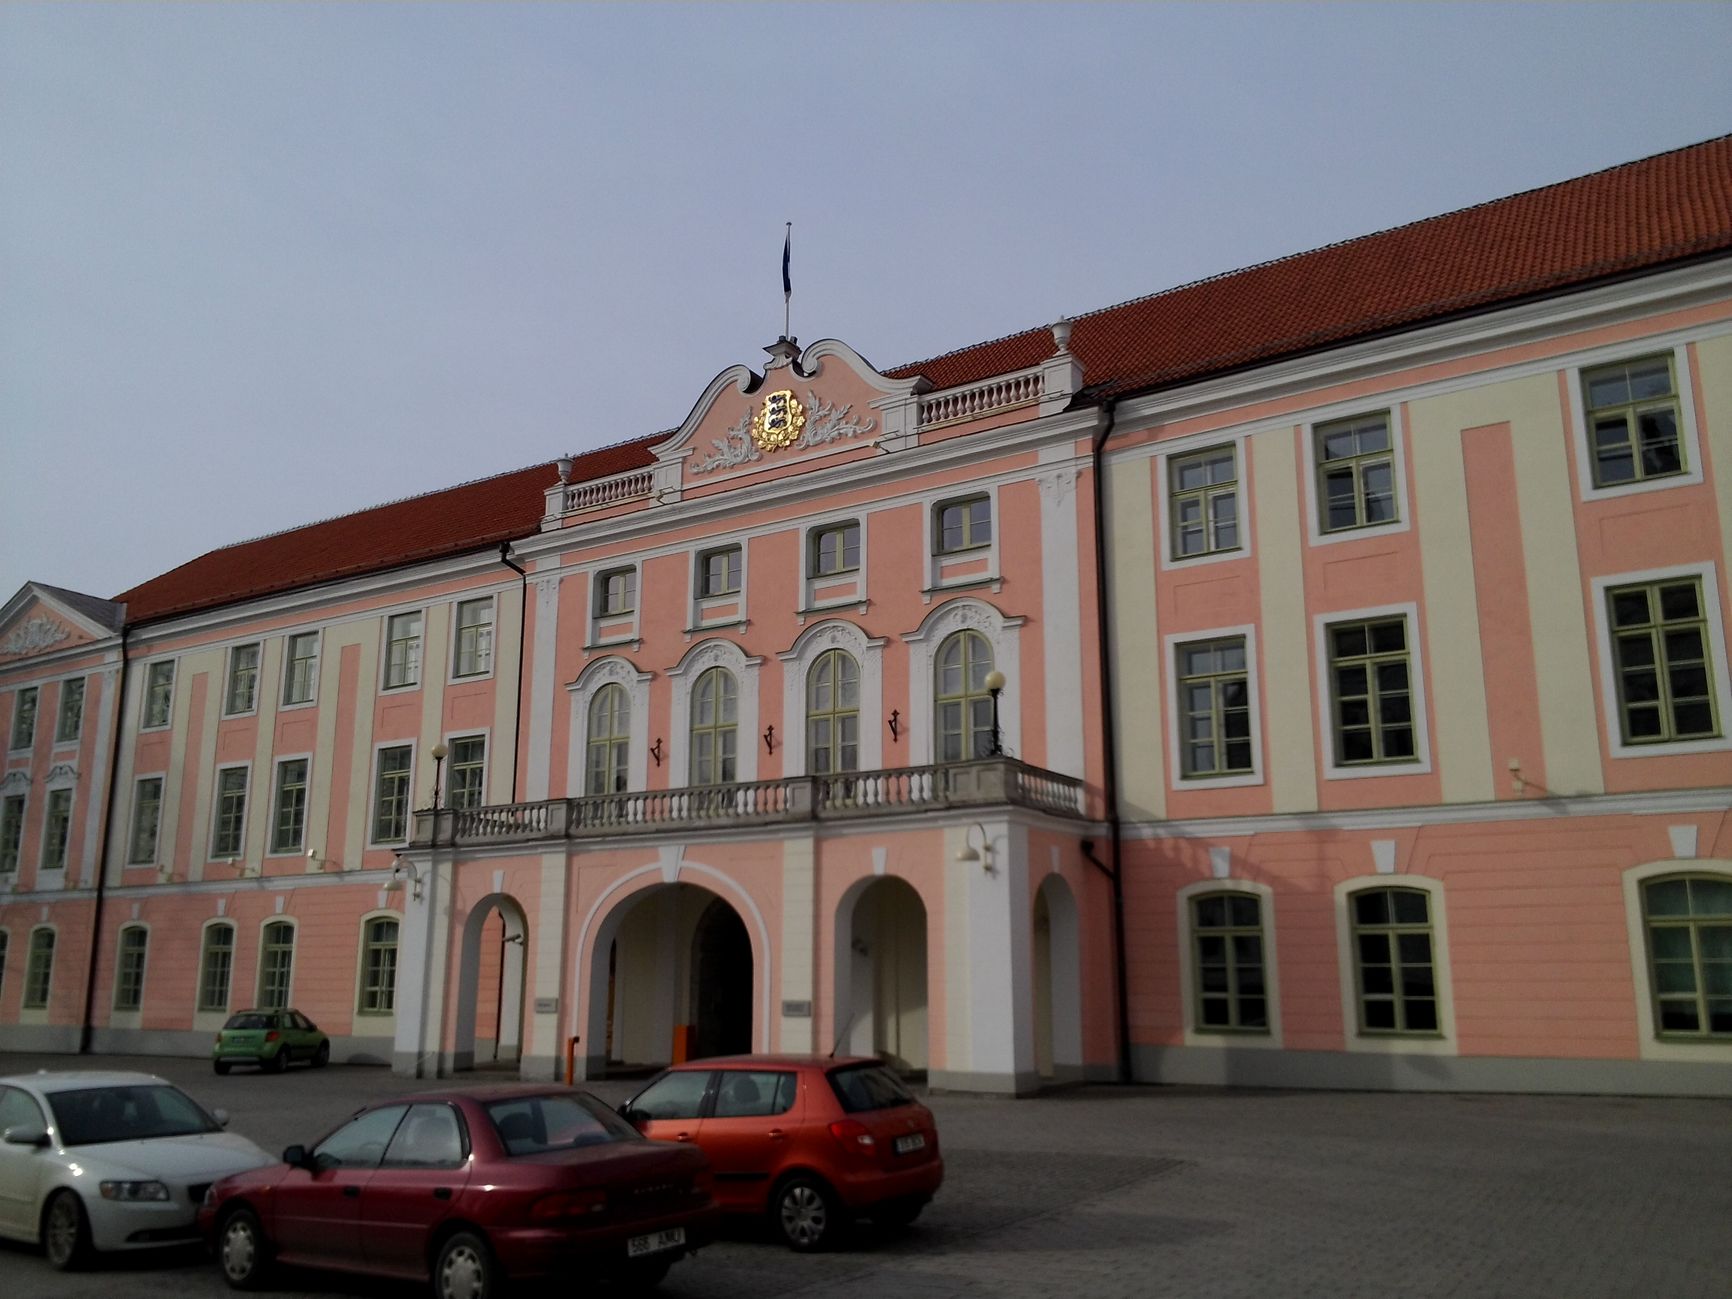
(272, 1036)
(852, 1136)
(568, 1204)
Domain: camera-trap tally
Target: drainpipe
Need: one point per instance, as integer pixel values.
(522, 625)
(1109, 739)
(84, 1025)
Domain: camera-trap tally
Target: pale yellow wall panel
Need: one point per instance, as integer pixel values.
(1290, 755)
(1135, 640)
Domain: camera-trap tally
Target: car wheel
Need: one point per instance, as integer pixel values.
(641, 1278)
(322, 1056)
(275, 1063)
(242, 1251)
(897, 1213)
(806, 1213)
(66, 1232)
(465, 1269)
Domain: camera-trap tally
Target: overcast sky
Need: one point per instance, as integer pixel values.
(262, 265)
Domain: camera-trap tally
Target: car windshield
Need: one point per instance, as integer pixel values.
(251, 1019)
(868, 1087)
(529, 1125)
(93, 1115)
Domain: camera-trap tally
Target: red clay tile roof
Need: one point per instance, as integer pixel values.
(1635, 217)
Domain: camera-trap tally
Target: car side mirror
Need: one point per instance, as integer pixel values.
(296, 1157)
(27, 1134)
(221, 1116)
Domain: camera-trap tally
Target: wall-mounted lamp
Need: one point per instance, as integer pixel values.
(407, 870)
(995, 688)
(983, 854)
(313, 859)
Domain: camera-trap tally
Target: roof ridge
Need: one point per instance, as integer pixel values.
(1320, 248)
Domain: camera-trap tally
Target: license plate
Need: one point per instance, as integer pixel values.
(915, 1142)
(655, 1242)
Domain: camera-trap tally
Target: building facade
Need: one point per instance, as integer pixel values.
(1314, 676)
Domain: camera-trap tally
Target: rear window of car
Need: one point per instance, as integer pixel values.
(531, 1125)
(868, 1087)
(93, 1115)
(251, 1021)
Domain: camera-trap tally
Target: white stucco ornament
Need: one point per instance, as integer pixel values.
(34, 636)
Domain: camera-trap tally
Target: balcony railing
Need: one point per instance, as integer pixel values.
(852, 796)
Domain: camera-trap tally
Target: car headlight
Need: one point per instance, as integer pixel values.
(134, 1191)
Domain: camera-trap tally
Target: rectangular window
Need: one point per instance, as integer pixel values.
(1660, 657)
(159, 693)
(146, 818)
(24, 718)
(1203, 501)
(379, 968)
(615, 592)
(243, 687)
(289, 824)
(71, 718)
(1356, 472)
(1393, 962)
(474, 638)
(301, 668)
(391, 795)
(231, 813)
(1214, 708)
(403, 650)
(964, 524)
(1227, 930)
(1632, 414)
(1370, 681)
(56, 829)
(468, 770)
(11, 832)
(39, 970)
(129, 970)
(719, 572)
(836, 550)
(216, 962)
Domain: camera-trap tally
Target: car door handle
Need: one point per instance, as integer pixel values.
(775, 1134)
(351, 1192)
(441, 1192)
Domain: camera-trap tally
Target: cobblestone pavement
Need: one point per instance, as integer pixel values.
(1162, 1191)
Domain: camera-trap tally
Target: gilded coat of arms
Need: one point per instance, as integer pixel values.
(779, 421)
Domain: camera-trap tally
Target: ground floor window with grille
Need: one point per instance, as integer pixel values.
(276, 964)
(1394, 962)
(39, 970)
(379, 967)
(216, 961)
(1689, 924)
(129, 969)
(1227, 945)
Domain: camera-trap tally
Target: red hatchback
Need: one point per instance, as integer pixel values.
(469, 1188)
(808, 1140)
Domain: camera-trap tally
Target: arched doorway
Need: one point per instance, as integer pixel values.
(1057, 983)
(671, 975)
(881, 992)
(492, 966)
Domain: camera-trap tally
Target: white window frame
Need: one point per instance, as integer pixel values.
(60, 711)
(161, 777)
(683, 677)
(258, 647)
(810, 581)
(593, 618)
(797, 664)
(408, 797)
(935, 579)
(270, 848)
(35, 719)
(284, 704)
(147, 669)
(608, 671)
(703, 606)
(212, 855)
(1444, 1042)
(61, 785)
(1176, 779)
(385, 642)
(1162, 481)
(1420, 764)
(1687, 434)
(1234, 1040)
(491, 600)
(1309, 465)
(1611, 721)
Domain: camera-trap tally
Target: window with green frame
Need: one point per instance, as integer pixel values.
(39, 969)
(1632, 415)
(1688, 919)
(1660, 659)
(1214, 708)
(1227, 949)
(1371, 691)
(1356, 472)
(129, 968)
(1393, 962)
(835, 549)
(1203, 501)
(965, 524)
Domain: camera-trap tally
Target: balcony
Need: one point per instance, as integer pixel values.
(792, 799)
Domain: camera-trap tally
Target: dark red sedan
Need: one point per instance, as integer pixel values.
(469, 1188)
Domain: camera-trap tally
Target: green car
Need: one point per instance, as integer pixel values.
(270, 1039)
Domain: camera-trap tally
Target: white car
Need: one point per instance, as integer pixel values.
(96, 1161)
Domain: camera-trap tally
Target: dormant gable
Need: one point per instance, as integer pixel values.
(42, 620)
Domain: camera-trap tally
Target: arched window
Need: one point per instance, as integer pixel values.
(833, 714)
(609, 740)
(129, 969)
(379, 966)
(1227, 946)
(216, 960)
(964, 707)
(715, 717)
(1394, 961)
(1688, 919)
(276, 964)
